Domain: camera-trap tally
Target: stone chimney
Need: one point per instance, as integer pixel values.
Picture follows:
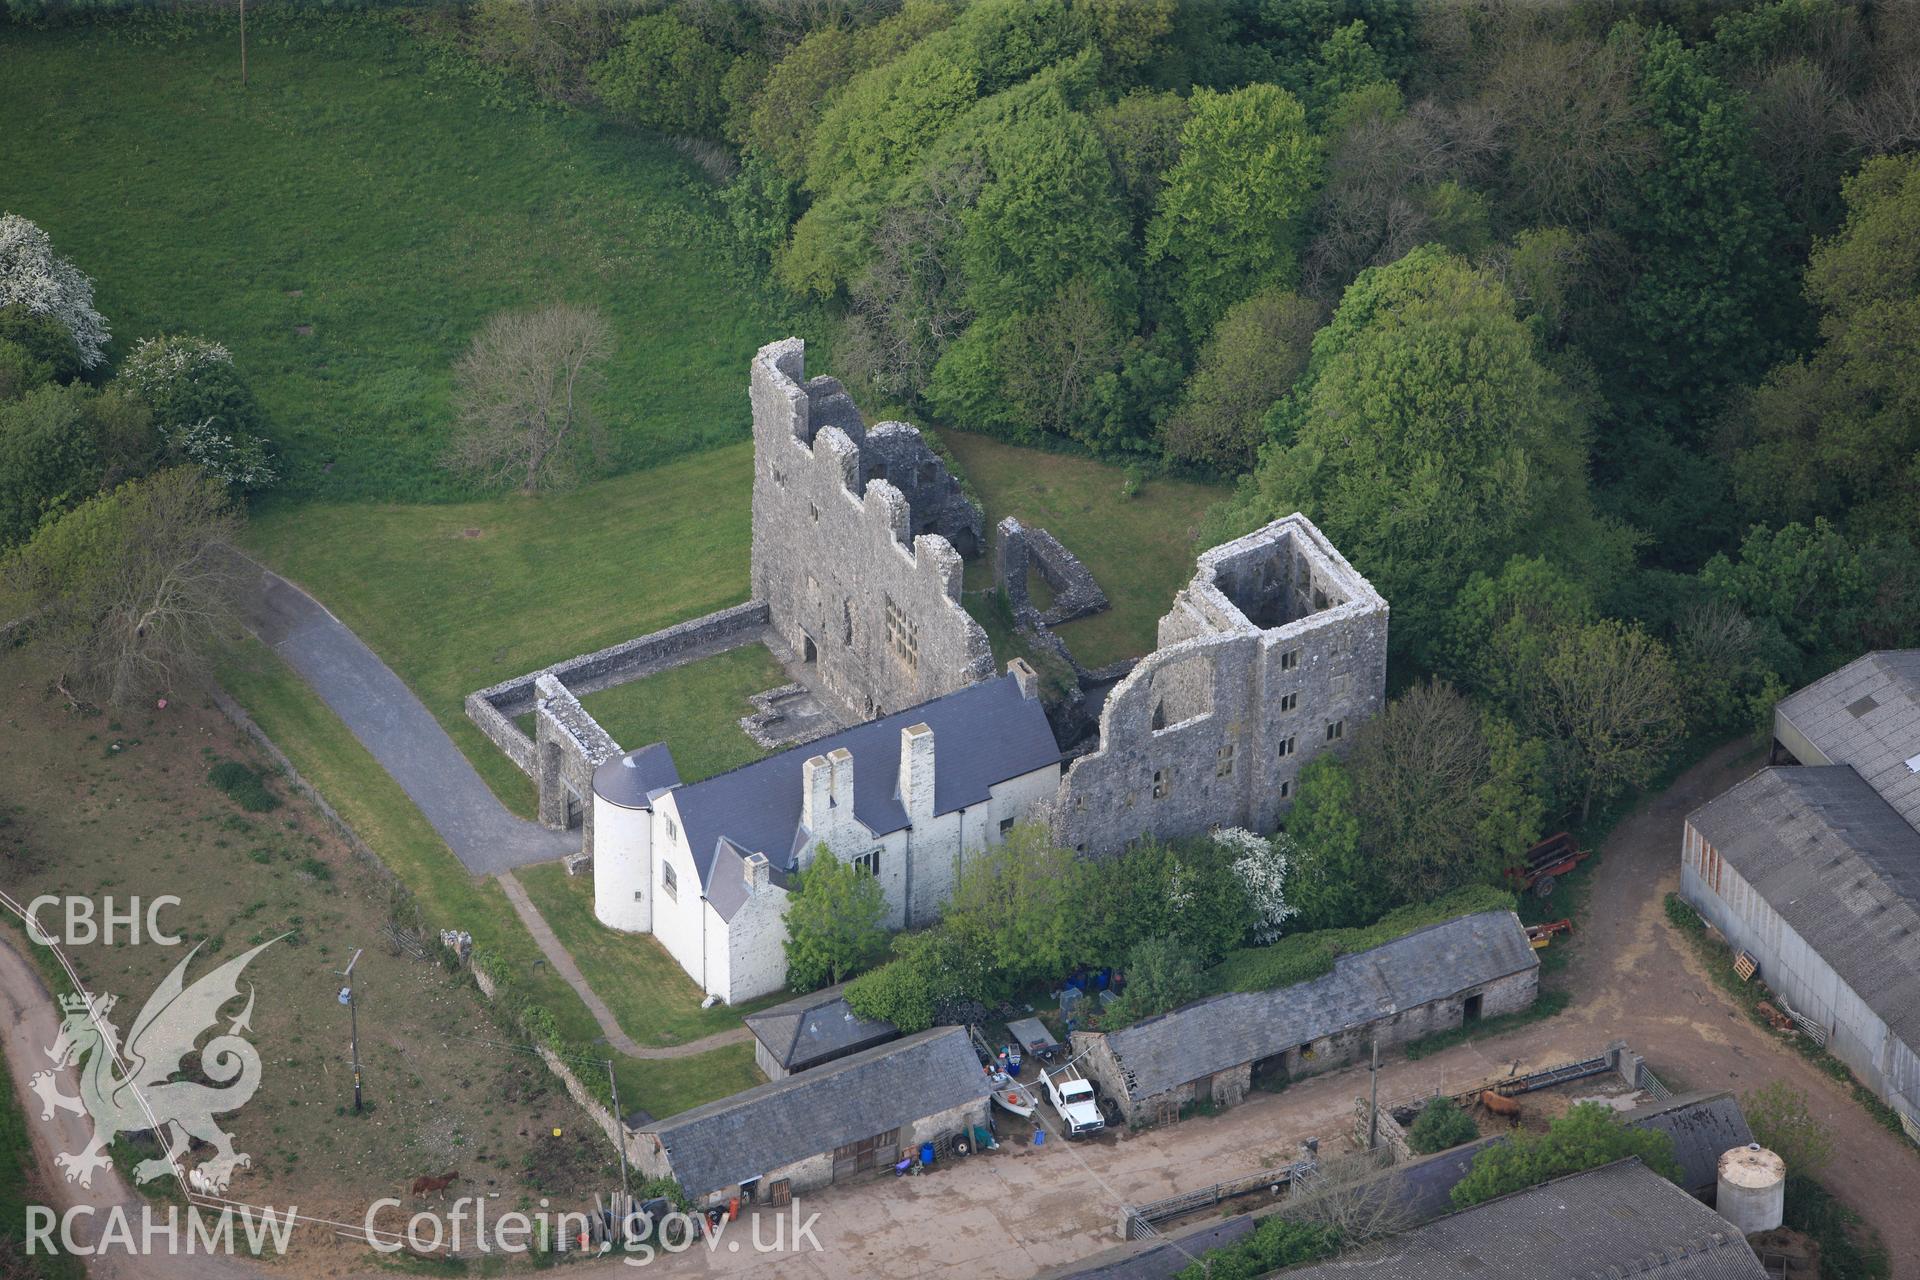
(759, 871)
(816, 778)
(841, 761)
(1025, 676)
(916, 773)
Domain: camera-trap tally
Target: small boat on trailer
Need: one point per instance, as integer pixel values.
(1011, 1095)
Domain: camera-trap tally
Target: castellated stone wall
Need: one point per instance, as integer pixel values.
(854, 545)
(1275, 651)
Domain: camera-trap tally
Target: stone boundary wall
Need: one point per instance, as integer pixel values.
(1392, 1135)
(493, 709)
(596, 1110)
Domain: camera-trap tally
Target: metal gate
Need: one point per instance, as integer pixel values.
(857, 1157)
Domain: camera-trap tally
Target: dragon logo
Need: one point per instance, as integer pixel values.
(133, 1089)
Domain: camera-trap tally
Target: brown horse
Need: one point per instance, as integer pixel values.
(1500, 1105)
(424, 1185)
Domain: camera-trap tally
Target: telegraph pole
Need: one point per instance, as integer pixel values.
(353, 1016)
(243, 44)
(620, 1140)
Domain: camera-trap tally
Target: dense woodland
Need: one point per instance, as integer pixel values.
(1587, 331)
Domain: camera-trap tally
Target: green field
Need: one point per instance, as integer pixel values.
(459, 596)
(348, 221)
(694, 709)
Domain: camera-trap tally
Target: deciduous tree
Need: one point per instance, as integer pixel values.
(834, 927)
(1609, 703)
(1255, 354)
(524, 394)
(34, 278)
(1586, 1137)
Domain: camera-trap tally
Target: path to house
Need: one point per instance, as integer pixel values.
(563, 964)
(1023, 1210)
(393, 724)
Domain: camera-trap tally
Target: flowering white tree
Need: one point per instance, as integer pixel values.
(31, 276)
(1261, 864)
(201, 407)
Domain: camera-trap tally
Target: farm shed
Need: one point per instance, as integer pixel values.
(1704, 1126)
(812, 1030)
(1214, 1050)
(821, 1126)
(1865, 715)
(1619, 1219)
(1817, 876)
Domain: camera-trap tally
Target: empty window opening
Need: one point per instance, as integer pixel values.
(1286, 746)
(1006, 827)
(1336, 730)
(1286, 789)
(1161, 784)
(1289, 701)
(809, 652)
(903, 636)
(1223, 761)
(1290, 659)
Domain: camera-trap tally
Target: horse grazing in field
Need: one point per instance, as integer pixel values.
(425, 1185)
(1500, 1104)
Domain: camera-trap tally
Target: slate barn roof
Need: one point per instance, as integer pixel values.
(809, 1114)
(1224, 1031)
(816, 1028)
(1867, 714)
(983, 735)
(1821, 847)
(1620, 1219)
(1704, 1126)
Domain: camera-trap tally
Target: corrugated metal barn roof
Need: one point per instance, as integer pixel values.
(1867, 714)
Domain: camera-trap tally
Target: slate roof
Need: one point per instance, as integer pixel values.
(809, 1114)
(1704, 1126)
(815, 1028)
(1867, 714)
(1822, 848)
(983, 735)
(1619, 1219)
(1224, 1031)
(630, 780)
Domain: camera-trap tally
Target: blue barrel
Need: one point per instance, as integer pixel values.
(926, 1153)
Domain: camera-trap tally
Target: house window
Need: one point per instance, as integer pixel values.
(1223, 761)
(1162, 784)
(673, 832)
(1006, 827)
(1336, 730)
(903, 637)
(814, 507)
(1289, 701)
(868, 862)
(668, 883)
(1286, 789)
(1290, 659)
(639, 895)
(1286, 746)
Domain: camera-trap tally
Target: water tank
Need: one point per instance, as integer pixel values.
(1752, 1191)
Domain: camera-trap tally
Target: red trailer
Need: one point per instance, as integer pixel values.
(1546, 862)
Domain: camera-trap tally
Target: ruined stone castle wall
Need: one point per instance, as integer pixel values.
(1275, 651)
(854, 536)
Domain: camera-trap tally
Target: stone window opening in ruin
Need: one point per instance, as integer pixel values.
(668, 884)
(1006, 827)
(814, 507)
(846, 623)
(903, 636)
(1286, 789)
(1159, 720)
(1343, 684)
(1286, 746)
(868, 862)
(1336, 730)
(1289, 701)
(1223, 762)
(810, 652)
(1290, 659)
(1162, 784)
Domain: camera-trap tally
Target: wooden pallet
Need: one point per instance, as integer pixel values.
(1746, 966)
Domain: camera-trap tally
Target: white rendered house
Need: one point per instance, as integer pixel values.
(703, 867)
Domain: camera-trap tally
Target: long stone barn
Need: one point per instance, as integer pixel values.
(1215, 1050)
(815, 1128)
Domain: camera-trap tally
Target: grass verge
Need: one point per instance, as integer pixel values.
(1849, 1248)
(1717, 957)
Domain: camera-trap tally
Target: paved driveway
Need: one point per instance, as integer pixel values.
(394, 725)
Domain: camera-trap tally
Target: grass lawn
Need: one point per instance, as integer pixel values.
(694, 709)
(330, 757)
(459, 596)
(647, 990)
(349, 220)
(1139, 549)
